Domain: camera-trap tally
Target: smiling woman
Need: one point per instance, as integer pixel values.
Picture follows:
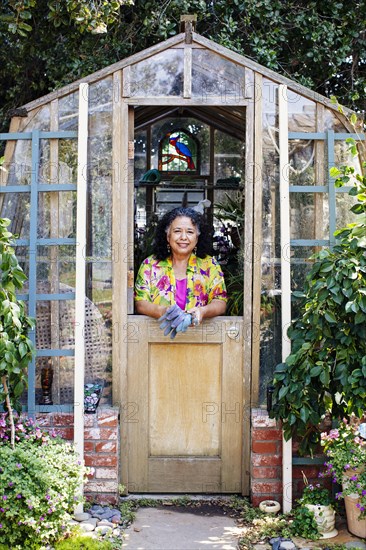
(181, 272)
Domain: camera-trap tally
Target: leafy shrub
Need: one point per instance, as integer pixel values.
(39, 482)
(304, 524)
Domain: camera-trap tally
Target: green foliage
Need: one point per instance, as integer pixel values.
(327, 367)
(315, 494)
(304, 524)
(83, 543)
(16, 348)
(39, 482)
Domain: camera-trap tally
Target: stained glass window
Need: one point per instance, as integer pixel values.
(179, 152)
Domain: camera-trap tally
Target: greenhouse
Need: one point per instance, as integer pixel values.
(90, 168)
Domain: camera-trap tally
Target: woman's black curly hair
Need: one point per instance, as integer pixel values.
(204, 244)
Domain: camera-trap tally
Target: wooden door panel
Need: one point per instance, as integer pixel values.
(179, 384)
(188, 398)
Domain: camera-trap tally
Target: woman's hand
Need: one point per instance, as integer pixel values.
(213, 309)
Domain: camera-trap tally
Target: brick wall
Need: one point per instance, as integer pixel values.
(101, 449)
(266, 459)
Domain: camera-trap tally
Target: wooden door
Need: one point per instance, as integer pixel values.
(185, 401)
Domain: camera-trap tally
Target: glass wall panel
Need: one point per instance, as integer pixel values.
(16, 207)
(302, 162)
(56, 214)
(332, 122)
(55, 322)
(344, 216)
(65, 170)
(56, 268)
(270, 318)
(160, 75)
(301, 113)
(18, 168)
(309, 216)
(229, 160)
(213, 75)
(68, 111)
(54, 380)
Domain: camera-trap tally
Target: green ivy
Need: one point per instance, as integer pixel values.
(326, 370)
(16, 349)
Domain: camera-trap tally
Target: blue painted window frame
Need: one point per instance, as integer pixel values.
(32, 297)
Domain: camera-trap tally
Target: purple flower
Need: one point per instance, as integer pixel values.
(18, 465)
(5, 497)
(2, 510)
(1, 525)
(10, 483)
(19, 495)
(354, 478)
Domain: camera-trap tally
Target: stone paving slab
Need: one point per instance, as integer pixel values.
(172, 529)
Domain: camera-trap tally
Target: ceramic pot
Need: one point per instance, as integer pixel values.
(325, 519)
(269, 506)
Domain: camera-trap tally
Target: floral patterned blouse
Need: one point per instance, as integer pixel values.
(155, 282)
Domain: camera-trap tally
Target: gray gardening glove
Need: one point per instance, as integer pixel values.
(187, 321)
(173, 318)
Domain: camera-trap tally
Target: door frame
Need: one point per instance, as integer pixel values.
(123, 329)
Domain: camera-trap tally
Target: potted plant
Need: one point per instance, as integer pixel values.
(346, 463)
(316, 499)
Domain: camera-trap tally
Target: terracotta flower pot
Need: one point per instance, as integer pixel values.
(325, 519)
(355, 525)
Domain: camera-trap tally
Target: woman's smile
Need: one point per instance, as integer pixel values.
(182, 236)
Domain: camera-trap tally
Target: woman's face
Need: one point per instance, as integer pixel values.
(182, 236)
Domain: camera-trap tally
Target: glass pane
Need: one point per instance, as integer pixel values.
(56, 268)
(65, 171)
(16, 207)
(270, 254)
(302, 163)
(56, 214)
(179, 152)
(18, 170)
(301, 113)
(100, 275)
(55, 322)
(160, 75)
(22, 255)
(344, 216)
(140, 162)
(213, 75)
(270, 340)
(309, 216)
(99, 213)
(54, 380)
(68, 112)
(40, 120)
(332, 122)
(198, 129)
(229, 160)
